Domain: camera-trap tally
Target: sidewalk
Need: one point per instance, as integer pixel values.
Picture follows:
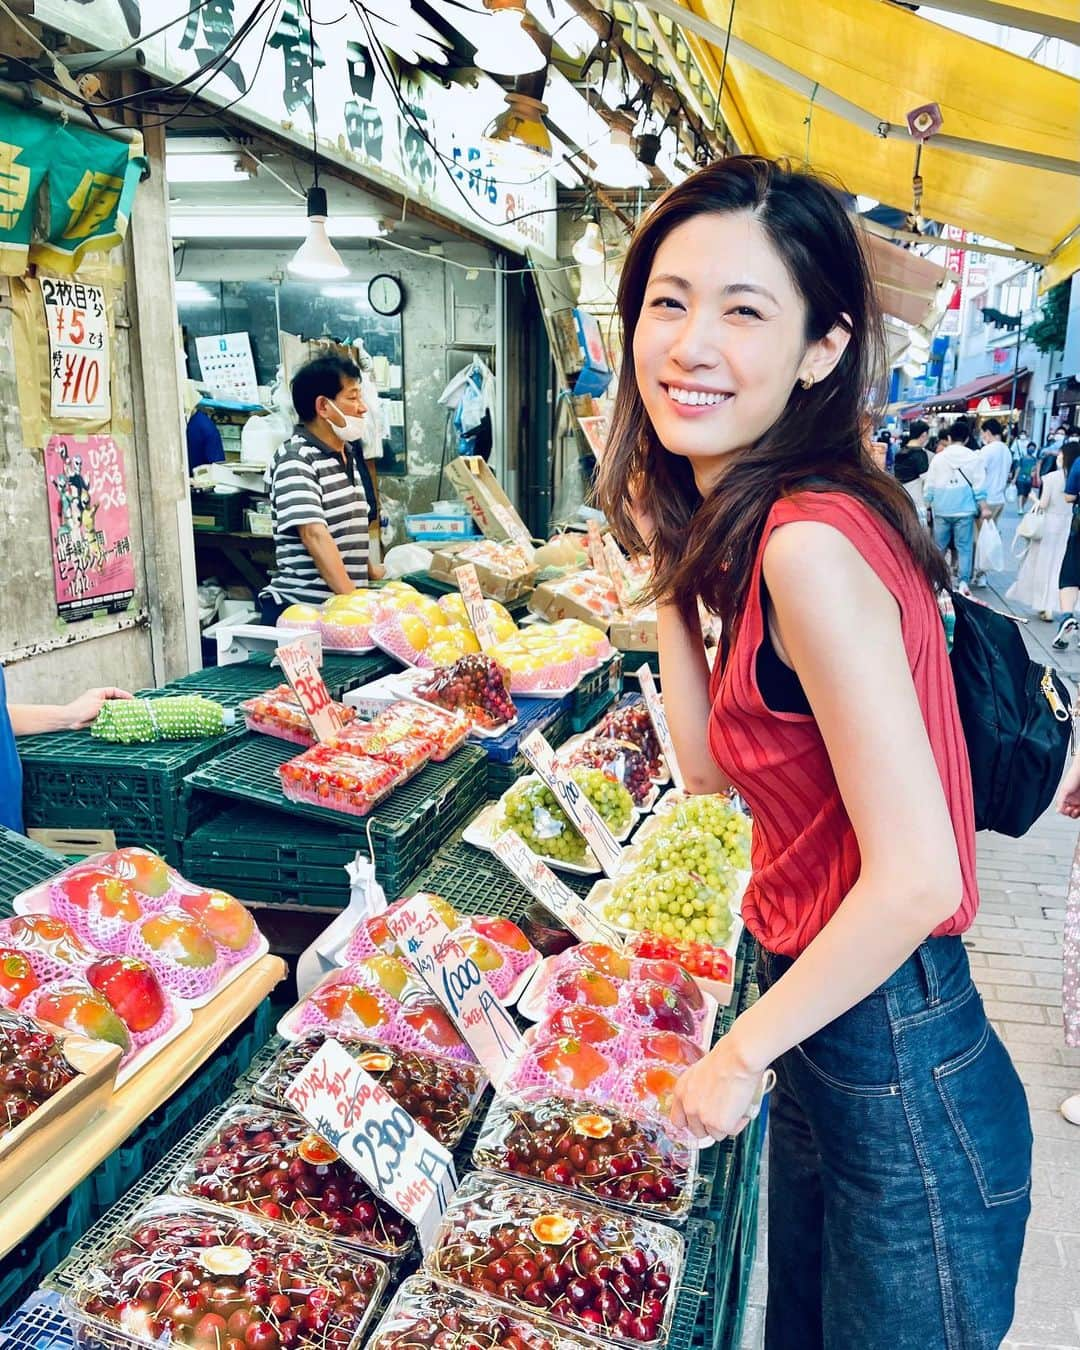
(1015, 951)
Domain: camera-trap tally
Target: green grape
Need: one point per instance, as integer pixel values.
(611, 799)
(716, 815)
(531, 811)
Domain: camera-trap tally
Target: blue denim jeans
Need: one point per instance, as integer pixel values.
(959, 531)
(899, 1170)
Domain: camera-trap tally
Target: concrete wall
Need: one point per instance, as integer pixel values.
(44, 659)
(441, 304)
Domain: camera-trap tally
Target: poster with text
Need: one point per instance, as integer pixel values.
(89, 526)
(78, 330)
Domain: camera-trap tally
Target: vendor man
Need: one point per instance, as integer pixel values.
(320, 507)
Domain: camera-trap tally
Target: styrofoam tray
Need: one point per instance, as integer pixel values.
(36, 901)
(483, 830)
(568, 747)
(530, 1004)
(401, 687)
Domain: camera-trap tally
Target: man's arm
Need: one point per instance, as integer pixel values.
(319, 542)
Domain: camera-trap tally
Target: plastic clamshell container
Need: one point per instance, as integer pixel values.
(491, 1214)
(426, 1312)
(543, 1138)
(223, 1249)
(462, 1085)
(338, 779)
(232, 1161)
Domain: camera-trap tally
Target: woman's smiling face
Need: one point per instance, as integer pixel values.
(720, 341)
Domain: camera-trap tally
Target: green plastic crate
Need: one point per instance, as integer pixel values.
(341, 671)
(478, 882)
(219, 512)
(71, 780)
(244, 850)
(402, 833)
(22, 865)
(27, 1264)
(596, 693)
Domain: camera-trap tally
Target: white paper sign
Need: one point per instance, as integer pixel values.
(539, 880)
(515, 528)
(78, 331)
(660, 723)
(228, 367)
(355, 1115)
(469, 586)
(307, 684)
(574, 802)
(457, 982)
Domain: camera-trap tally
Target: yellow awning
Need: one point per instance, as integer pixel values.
(813, 79)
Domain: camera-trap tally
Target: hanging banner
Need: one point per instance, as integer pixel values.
(93, 565)
(91, 180)
(78, 332)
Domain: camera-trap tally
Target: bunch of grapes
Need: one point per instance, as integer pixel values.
(719, 816)
(476, 684)
(623, 762)
(675, 903)
(633, 724)
(611, 799)
(530, 810)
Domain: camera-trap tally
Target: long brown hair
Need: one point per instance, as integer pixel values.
(705, 548)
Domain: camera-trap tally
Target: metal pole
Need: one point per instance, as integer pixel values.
(1016, 367)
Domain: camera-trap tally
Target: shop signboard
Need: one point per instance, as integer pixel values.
(78, 333)
(954, 262)
(421, 138)
(89, 526)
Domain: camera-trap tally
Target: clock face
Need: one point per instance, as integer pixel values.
(385, 294)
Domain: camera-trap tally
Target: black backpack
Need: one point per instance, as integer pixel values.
(1015, 716)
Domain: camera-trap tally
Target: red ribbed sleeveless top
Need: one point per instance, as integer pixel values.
(805, 854)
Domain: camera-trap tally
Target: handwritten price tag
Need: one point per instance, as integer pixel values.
(378, 1138)
(514, 527)
(300, 670)
(594, 547)
(574, 802)
(660, 723)
(618, 573)
(457, 982)
(469, 586)
(539, 880)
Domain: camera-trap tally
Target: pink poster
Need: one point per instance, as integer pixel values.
(93, 564)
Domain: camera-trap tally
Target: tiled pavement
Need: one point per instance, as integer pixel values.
(1015, 951)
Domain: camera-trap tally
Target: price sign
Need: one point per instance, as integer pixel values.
(660, 723)
(457, 982)
(574, 802)
(296, 661)
(78, 333)
(618, 574)
(355, 1115)
(594, 547)
(539, 880)
(513, 526)
(469, 586)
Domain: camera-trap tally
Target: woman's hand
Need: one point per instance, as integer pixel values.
(715, 1097)
(1069, 792)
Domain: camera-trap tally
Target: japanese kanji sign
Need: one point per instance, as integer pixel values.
(93, 565)
(78, 331)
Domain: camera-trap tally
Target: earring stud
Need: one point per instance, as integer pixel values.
(807, 381)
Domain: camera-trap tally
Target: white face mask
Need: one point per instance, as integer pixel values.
(349, 428)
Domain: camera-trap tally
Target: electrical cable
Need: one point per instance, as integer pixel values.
(723, 60)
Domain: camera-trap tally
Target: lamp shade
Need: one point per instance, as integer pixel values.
(316, 258)
(522, 123)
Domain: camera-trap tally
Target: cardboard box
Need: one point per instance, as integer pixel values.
(494, 585)
(31, 1144)
(491, 508)
(553, 600)
(635, 633)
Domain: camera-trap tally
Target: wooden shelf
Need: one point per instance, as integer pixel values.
(25, 1207)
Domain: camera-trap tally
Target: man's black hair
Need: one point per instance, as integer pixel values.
(993, 426)
(321, 378)
(917, 428)
(960, 431)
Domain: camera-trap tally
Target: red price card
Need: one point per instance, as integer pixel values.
(300, 669)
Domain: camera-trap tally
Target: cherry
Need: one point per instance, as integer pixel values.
(580, 1293)
(261, 1336)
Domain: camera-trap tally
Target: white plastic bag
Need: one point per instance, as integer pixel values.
(989, 552)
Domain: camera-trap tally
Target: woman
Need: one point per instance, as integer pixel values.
(1036, 584)
(899, 1164)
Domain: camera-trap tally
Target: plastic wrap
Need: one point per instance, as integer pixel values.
(620, 760)
(234, 1273)
(405, 751)
(278, 713)
(446, 729)
(338, 780)
(632, 723)
(612, 1275)
(475, 685)
(32, 1068)
(271, 1164)
(440, 1094)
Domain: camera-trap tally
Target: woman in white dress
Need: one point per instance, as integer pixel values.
(1036, 584)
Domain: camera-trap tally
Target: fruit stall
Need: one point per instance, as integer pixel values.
(513, 801)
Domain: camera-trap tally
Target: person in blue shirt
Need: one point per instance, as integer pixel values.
(26, 719)
(1069, 576)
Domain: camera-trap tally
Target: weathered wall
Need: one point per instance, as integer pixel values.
(44, 659)
(441, 304)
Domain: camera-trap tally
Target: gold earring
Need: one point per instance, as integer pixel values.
(807, 381)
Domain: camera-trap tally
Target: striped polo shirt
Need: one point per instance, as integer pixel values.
(311, 484)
